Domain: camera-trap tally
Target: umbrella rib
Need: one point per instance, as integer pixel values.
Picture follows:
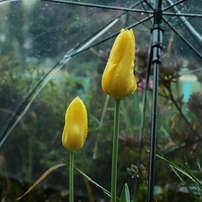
(189, 27)
(174, 4)
(173, 7)
(183, 14)
(171, 13)
(5, 1)
(88, 38)
(98, 6)
(179, 14)
(140, 2)
(183, 39)
(149, 4)
(174, 25)
(138, 20)
(145, 8)
(113, 7)
(111, 36)
(192, 30)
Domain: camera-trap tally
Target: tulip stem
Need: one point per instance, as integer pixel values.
(115, 151)
(71, 177)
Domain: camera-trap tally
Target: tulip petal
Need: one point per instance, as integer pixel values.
(76, 125)
(118, 79)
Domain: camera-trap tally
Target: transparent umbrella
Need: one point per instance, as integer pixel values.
(43, 42)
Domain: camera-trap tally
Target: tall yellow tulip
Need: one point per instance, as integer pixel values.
(118, 79)
(76, 125)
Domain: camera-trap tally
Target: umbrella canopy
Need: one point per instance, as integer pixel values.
(54, 50)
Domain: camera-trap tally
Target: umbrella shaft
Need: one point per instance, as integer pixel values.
(157, 38)
(153, 134)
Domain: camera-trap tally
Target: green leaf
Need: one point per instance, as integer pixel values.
(185, 171)
(125, 194)
(44, 175)
(182, 170)
(91, 180)
(198, 162)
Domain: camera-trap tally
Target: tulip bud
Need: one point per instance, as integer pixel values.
(118, 79)
(76, 125)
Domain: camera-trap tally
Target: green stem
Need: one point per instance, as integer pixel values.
(71, 177)
(115, 151)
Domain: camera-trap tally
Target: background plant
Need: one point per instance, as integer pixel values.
(35, 145)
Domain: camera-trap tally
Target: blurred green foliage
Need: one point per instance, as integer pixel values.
(35, 143)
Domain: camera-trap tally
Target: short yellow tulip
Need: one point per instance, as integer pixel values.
(118, 79)
(76, 125)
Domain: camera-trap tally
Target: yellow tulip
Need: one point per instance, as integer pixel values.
(76, 125)
(118, 79)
